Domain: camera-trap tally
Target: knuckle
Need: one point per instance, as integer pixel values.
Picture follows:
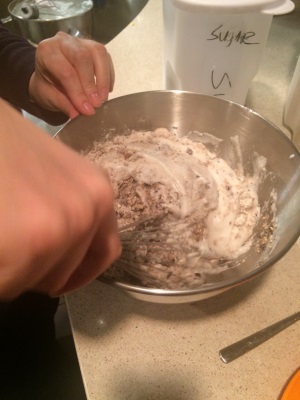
(97, 45)
(98, 48)
(46, 45)
(81, 216)
(43, 44)
(60, 36)
(101, 191)
(67, 73)
(82, 55)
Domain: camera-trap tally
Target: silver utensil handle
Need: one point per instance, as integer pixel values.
(241, 347)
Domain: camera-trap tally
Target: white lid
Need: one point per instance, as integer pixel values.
(274, 7)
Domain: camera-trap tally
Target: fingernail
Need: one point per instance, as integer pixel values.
(88, 108)
(104, 94)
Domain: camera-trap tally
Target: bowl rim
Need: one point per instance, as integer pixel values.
(221, 286)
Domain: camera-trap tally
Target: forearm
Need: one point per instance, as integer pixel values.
(17, 64)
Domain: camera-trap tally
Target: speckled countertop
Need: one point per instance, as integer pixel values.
(129, 349)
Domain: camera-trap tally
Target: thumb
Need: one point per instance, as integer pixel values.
(46, 95)
(57, 101)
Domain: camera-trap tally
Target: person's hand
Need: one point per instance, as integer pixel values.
(71, 75)
(58, 224)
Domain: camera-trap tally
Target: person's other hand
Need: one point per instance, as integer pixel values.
(58, 224)
(71, 75)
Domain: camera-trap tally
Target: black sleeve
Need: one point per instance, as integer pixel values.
(17, 63)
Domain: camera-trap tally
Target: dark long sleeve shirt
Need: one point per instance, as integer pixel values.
(17, 64)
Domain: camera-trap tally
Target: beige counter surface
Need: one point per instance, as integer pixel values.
(129, 349)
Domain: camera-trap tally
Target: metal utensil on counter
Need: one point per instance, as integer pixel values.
(241, 347)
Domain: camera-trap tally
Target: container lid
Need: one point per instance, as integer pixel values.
(274, 7)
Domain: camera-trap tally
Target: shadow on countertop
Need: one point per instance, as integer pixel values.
(105, 307)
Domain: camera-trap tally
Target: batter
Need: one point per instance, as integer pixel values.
(211, 208)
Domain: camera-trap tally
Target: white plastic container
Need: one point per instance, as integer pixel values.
(291, 114)
(215, 46)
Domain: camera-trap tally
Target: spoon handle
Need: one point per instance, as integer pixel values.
(241, 347)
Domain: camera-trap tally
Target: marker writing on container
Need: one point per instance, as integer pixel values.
(229, 37)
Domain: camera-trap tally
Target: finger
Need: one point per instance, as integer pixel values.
(92, 266)
(94, 67)
(57, 278)
(61, 73)
(53, 99)
(112, 74)
(60, 102)
(105, 248)
(104, 71)
(83, 55)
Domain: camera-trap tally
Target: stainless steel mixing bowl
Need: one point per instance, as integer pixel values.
(188, 112)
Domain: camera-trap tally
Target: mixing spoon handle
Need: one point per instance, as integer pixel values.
(241, 347)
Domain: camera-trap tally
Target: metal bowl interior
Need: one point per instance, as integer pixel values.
(188, 112)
